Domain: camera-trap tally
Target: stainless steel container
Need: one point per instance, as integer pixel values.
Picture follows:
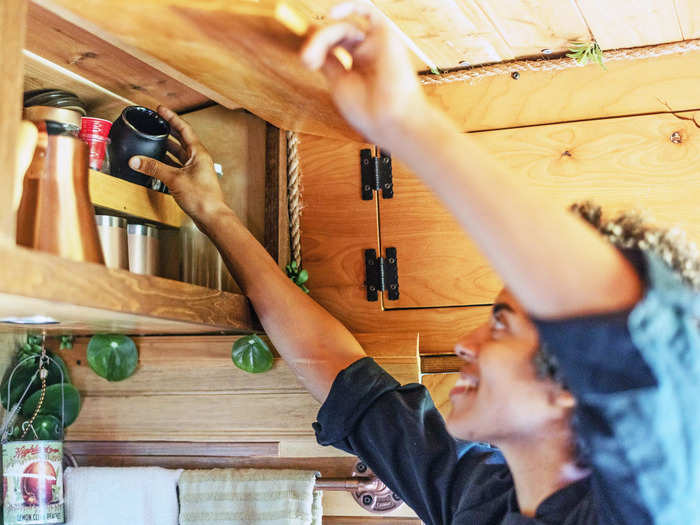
(112, 231)
(143, 248)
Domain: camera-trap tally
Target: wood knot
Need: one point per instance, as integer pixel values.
(82, 56)
(676, 137)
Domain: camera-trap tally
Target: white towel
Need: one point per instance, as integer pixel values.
(249, 497)
(121, 496)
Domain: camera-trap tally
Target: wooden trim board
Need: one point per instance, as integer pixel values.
(135, 200)
(96, 298)
(12, 34)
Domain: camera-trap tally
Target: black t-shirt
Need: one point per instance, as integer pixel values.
(636, 377)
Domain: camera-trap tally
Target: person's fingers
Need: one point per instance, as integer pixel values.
(154, 168)
(317, 47)
(347, 9)
(177, 151)
(183, 131)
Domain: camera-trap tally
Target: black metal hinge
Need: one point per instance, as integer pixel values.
(381, 274)
(376, 174)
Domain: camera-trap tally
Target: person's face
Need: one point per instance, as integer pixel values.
(498, 396)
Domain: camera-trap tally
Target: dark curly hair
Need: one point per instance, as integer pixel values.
(626, 230)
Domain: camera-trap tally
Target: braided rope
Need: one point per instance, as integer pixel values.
(294, 193)
(558, 64)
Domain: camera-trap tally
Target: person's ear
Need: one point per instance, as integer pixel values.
(562, 398)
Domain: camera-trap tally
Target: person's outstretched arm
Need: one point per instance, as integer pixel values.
(311, 341)
(555, 264)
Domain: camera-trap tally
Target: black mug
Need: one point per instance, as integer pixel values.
(137, 131)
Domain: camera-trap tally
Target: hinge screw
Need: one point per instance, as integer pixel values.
(515, 75)
(676, 137)
(372, 289)
(367, 187)
(387, 185)
(392, 260)
(370, 262)
(386, 160)
(365, 161)
(392, 286)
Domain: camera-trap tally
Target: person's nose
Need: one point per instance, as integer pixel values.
(469, 346)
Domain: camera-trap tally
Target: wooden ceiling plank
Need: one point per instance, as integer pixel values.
(235, 59)
(448, 32)
(75, 49)
(631, 23)
(530, 27)
(688, 13)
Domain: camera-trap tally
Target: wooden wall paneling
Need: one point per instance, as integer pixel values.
(328, 467)
(12, 34)
(439, 386)
(688, 12)
(438, 264)
(236, 140)
(623, 163)
(440, 363)
(626, 87)
(529, 28)
(240, 60)
(631, 23)
(646, 163)
(173, 448)
(448, 32)
(337, 226)
(187, 389)
(73, 48)
(93, 297)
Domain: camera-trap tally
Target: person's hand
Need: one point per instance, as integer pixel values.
(380, 93)
(194, 185)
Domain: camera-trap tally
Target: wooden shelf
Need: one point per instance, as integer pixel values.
(125, 197)
(89, 298)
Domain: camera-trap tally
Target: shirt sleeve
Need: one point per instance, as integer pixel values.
(636, 378)
(397, 431)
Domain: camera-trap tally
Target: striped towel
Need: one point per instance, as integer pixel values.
(249, 497)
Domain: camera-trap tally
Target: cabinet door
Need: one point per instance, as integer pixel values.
(647, 163)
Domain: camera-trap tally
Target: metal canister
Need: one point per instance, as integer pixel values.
(143, 248)
(112, 231)
(32, 482)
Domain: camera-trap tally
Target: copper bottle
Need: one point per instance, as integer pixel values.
(55, 214)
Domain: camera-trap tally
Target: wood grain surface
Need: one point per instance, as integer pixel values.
(248, 61)
(439, 386)
(625, 163)
(131, 199)
(187, 389)
(251, 70)
(90, 57)
(624, 88)
(12, 34)
(56, 285)
(99, 102)
(631, 23)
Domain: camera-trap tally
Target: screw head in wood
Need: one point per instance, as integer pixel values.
(676, 137)
(515, 75)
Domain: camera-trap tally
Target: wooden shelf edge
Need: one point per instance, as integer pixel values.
(89, 298)
(119, 195)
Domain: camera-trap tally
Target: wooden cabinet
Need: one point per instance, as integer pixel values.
(44, 50)
(647, 163)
